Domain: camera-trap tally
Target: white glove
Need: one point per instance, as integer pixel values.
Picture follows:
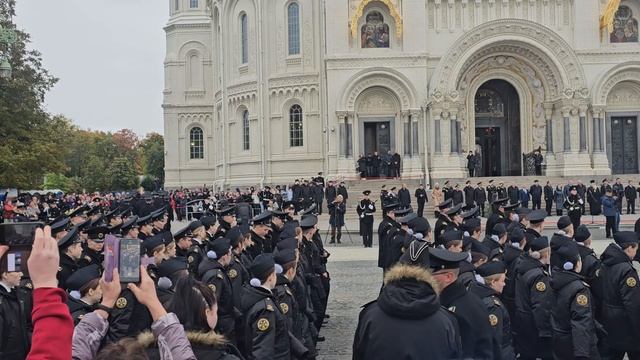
(362, 216)
(371, 207)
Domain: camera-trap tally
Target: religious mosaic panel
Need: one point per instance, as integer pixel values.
(375, 33)
(625, 26)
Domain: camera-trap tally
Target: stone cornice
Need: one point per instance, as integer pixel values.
(357, 61)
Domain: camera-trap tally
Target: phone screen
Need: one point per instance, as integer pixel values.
(19, 237)
(129, 262)
(111, 252)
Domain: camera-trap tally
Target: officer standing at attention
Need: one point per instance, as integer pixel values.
(366, 208)
(472, 316)
(196, 252)
(387, 225)
(621, 296)
(443, 220)
(534, 300)
(421, 197)
(572, 318)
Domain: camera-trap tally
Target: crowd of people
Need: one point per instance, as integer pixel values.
(219, 288)
(374, 165)
(458, 292)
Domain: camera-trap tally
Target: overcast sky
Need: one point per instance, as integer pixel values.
(108, 55)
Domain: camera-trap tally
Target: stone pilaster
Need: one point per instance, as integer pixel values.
(599, 155)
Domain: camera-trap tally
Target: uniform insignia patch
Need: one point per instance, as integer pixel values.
(212, 287)
(190, 259)
(263, 324)
(540, 286)
(233, 273)
(631, 282)
(269, 307)
(452, 309)
(493, 320)
(582, 300)
(28, 285)
(121, 303)
(284, 307)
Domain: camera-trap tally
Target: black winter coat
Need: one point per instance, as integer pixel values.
(404, 197)
(498, 319)
(406, 321)
(621, 300)
(469, 195)
(386, 229)
(534, 300)
(14, 336)
(572, 318)
(214, 276)
(473, 321)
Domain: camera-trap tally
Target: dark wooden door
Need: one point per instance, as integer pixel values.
(491, 156)
(370, 138)
(383, 137)
(624, 145)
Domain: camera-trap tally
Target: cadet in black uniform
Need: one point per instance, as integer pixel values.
(407, 321)
(212, 272)
(421, 198)
(366, 208)
(237, 272)
(493, 274)
(536, 224)
(85, 292)
(574, 203)
(388, 224)
(144, 227)
(183, 242)
(260, 235)
(442, 220)
(572, 318)
(14, 316)
(265, 333)
(456, 220)
(196, 252)
(534, 299)
(70, 247)
(473, 319)
(497, 214)
(173, 270)
(590, 266)
(226, 219)
(129, 228)
(621, 296)
(93, 248)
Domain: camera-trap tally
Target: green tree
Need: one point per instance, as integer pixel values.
(122, 174)
(152, 156)
(148, 183)
(26, 151)
(57, 181)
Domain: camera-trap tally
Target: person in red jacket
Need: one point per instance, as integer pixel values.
(52, 323)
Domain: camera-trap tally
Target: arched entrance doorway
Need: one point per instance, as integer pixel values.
(497, 129)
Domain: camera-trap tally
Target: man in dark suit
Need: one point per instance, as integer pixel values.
(421, 197)
(480, 197)
(536, 194)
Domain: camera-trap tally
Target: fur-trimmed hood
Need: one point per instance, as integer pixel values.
(210, 339)
(409, 292)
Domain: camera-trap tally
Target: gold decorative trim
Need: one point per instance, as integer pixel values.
(606, 20)
(353, 23)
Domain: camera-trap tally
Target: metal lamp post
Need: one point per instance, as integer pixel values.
(7, 37)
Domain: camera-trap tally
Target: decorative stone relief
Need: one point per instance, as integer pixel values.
(378, 103)
(624, 94)
(378, 80)
(605, 89)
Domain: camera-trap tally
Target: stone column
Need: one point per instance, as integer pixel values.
(445, 163)
(548, 117)
(582, 125)
(566, 129)
(437, 135)
(599, 155)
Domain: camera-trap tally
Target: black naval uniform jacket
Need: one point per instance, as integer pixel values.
(495, 218)
(239, 276)
(590, 268)
(195, 256)
(473, 321)
(406, 321)
(260, 245)
(572, 318)
(14, 332)
(387, 228)
(441, 225)
(214, 276)
(265, 331)
(366, 208)
(67, 267)
(534, 300)
(620, 299)
(511, 257)
(78, 309)
(498, 319)
(90, 256)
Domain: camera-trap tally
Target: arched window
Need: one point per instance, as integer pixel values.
(196, 143)
(374, 33)
(193, 4)
(293, 16)
(295, 126)
(244, 29)
(194, 76)
(625, 26)
(246, 144)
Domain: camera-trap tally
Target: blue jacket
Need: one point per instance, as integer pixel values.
(608, 206)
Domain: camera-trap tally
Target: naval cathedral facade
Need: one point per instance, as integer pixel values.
(265, 91)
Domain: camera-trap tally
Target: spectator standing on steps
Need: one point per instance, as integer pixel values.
(536, 194)
(610, 211)
(630, 194)
(548, 197)
(421, 197)
(480, 198)
(404, 197)
(342, 190)
(471, 163)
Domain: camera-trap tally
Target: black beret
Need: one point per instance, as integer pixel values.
(128, 224)
(152, 242)
(537, 216)
(218, 248)
(417, 254)
(563, 222)
(625, 237)
(182, 233)
(499, 229)
(444, 259)
(264, 218)
(262, 266)
(445, 204)
(491, 268)
(83, 276)
(97, 233)
(285, 256)
(69, 239)
(582, 233)
(308, 222)
(59, 226)
(288, 243)
(471, 224)
(539, 243)
(170, 266)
